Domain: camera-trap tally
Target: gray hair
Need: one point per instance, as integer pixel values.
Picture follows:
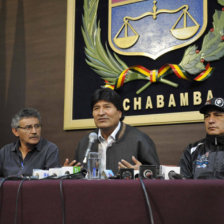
(24, 113)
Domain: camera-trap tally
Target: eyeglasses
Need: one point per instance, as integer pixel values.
(30, 127)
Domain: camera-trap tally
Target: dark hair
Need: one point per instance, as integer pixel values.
(108, 95)
(24, 113)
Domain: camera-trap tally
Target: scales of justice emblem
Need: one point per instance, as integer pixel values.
(134, 31)
(140, 35)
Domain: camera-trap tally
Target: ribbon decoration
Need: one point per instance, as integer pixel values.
(108, 85)
(159, 75)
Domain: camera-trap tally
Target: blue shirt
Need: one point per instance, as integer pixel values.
(45, 155)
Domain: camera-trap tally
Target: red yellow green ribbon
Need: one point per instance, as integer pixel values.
(156, 75)
(205, 74)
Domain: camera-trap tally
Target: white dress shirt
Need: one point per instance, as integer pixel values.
(105, 143)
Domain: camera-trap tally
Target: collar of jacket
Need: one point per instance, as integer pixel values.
(215, 139)
(121, 132)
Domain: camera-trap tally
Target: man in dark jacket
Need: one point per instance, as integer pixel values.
(204, 159)
(120, 145)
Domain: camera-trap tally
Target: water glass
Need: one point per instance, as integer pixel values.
(94, 166)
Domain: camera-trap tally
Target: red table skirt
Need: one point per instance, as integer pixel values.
(112, 202)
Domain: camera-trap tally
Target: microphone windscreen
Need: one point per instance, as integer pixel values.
(92, 136)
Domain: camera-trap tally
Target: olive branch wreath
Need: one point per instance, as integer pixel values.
(194, 65)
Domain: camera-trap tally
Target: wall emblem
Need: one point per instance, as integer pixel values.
(132, 31)
(152, 28)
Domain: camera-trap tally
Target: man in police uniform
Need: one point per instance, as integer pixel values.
(204, 159)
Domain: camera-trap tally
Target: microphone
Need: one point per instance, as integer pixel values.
(92, 138)
(175, 176)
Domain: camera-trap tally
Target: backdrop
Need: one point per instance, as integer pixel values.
(32, 73)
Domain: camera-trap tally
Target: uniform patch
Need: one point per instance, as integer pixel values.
(202, 160)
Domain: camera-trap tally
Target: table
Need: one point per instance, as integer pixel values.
(112, 201)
